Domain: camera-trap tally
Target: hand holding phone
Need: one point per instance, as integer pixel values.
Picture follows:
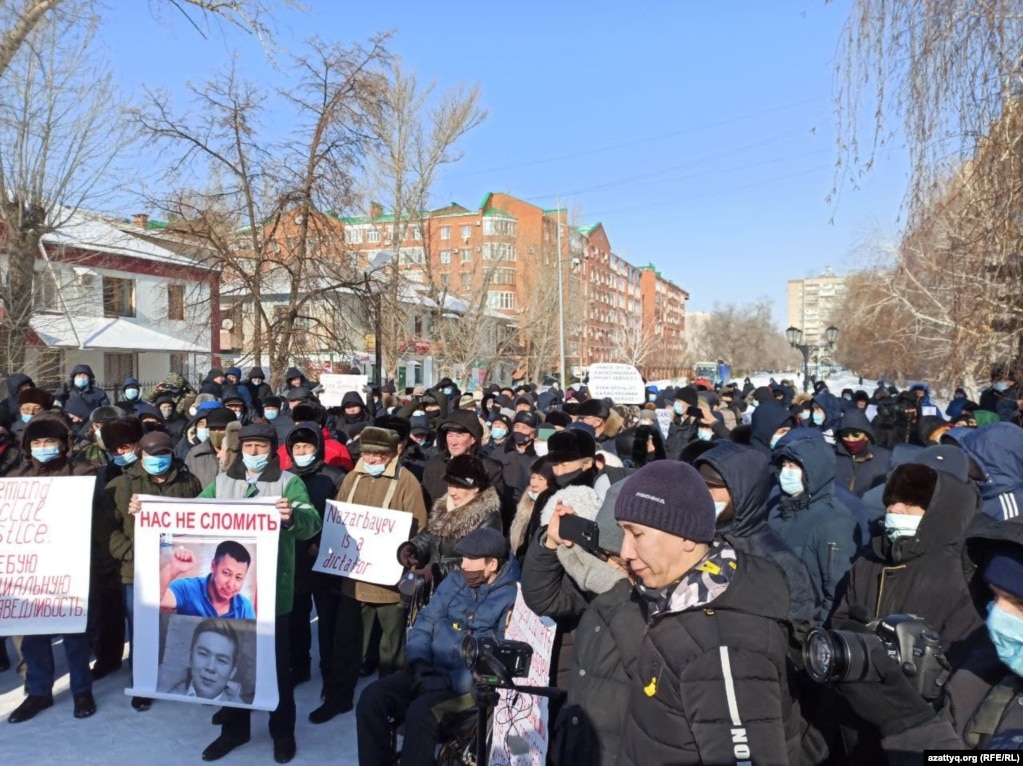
(575, 530)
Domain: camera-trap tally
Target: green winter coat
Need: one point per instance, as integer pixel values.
(136, 480)
(305, 521)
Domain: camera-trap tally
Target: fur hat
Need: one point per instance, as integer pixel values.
(571, 444)
(39, 396)
(594, 408)
(912, 484)
(379, 441)
(220, 417)
(558, 418)
(120, 432)
(669, 496)
(308, 411)
(46, 425)
(466, 471)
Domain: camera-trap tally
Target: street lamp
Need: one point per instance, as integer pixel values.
(795, 338)
(381, 259)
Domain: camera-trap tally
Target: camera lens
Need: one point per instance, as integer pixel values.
(470, 652)
(838, 655)
(819, 656)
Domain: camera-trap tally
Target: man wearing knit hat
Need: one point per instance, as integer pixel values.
(710, 681)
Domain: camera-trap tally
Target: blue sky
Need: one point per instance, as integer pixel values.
(702, 135)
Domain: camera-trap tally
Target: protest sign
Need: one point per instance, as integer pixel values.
(205, 601)
(361, 542)
(45, 539)
(521, 726)
(664, 421)
(336, 386)
(620, 383)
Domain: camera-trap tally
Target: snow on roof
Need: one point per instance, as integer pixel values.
(58, 331)
(88, 232)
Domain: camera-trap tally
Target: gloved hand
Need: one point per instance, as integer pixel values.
(407, 556)
(426, 679)
(891, 704)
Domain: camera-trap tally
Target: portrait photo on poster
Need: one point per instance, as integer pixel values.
(203, 578)
(209, 658)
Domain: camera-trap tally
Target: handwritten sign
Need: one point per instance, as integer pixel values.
(621, 383)
(361, 542)
(45, 534)
(206, 583)
(521, 725)
(336, 386)
(664, 421)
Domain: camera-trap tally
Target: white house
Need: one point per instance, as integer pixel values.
(120, 303)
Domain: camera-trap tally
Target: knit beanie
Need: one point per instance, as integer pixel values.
(669, 496)
(582, 500)
(1004, 569)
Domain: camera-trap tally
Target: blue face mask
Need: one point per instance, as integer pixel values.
(901, 525)
(202, 434)
(304, 461)
(46, 454)
(270, 414)
(1001, 386)
(157, 464)
(775, 439)
(818, 418)
(126, 459)
(754, 404)
(448, 390)
(805, 415)
(791, 481)
(375, 470)
(1006, 631)
(704, 434)
(131, 394)
(25, 418)
(81, 381)
(498, 433)
(719, 508)
(255, 463)
(651, 397)
(679, 408)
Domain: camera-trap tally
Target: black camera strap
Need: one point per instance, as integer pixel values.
(985, 719)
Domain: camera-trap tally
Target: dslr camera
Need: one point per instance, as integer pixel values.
(494, 661)
(844, 655)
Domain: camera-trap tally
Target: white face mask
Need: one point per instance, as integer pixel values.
(719, 508)
(540, 448)
(901, 525)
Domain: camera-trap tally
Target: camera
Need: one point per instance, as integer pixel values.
(582, 532)
(495, 661)
(844, 655)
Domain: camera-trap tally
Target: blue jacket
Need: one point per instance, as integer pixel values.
(456, 611)
(818, 528)
(832, 407)
(997, 449)
(83, 401)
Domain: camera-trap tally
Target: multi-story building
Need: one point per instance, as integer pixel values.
(811, 304)
(664, 323)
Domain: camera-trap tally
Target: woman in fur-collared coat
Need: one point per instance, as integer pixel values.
(470, 503)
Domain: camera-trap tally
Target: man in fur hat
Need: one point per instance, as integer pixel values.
(380, 481)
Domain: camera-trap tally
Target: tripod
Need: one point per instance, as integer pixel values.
(484, 694)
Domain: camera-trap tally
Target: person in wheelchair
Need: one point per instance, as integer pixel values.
(474, 600)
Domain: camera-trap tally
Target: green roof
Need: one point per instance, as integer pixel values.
(502, 213)
(150, 224)
(588, 229)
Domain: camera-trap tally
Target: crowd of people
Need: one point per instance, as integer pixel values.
(686, 547)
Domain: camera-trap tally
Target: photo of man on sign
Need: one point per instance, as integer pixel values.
(217, 594)
(211, 664)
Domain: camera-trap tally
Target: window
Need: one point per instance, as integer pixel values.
(373, 236)
(488, 251)
(353, 236)
(504, 277)
(417, 326)
(118, 299)
(498, 227)
(500, 300)
(117, 367)
(178, 363)
(445, 256)
(176, 303)
(445, 232)
(49, 367)
(46, 292)
(445, 280)
(466, 232)
(466, 281)
(467, 256)
(414, 232)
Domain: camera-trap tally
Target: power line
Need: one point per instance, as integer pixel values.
(637, 141)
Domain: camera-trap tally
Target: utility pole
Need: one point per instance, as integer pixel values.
(561, 306)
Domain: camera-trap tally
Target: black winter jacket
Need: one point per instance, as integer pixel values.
(711, 679)
(862, 472)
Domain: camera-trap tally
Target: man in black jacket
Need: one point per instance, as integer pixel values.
(460, 433)
(711, 680)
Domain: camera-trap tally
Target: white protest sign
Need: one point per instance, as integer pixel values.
(521, 725)
(45, 539)
(621, 383)
(336, 386)
(205, 601)
(361, 542)
(664, 421)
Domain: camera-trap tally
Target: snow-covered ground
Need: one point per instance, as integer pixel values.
(169, 733)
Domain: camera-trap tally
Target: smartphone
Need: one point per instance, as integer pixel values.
(580, 531)
(694, 412)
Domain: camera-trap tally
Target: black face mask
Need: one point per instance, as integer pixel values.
(566, 479)
(475, 578)
(521, 439)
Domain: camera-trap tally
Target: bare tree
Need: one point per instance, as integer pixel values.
(19, 24)
(60, 131)
(634, 344)
(416, 134)
(264, 217)
(744, 336)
